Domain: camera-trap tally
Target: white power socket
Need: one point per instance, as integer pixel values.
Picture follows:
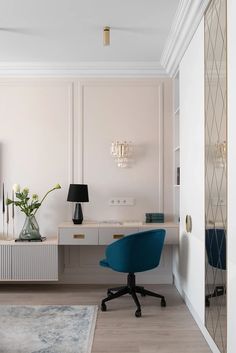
(121, 201)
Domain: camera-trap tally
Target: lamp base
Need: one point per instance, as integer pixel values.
(78, 214)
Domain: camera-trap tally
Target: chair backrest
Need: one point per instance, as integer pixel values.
(136, 252)
(216, 247)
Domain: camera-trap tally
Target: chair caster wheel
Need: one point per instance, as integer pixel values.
(109, 292)
(163, 302)
(143, 295)
(103, 307)
(138, 313)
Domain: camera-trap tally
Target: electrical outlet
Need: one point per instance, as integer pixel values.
(121, 201)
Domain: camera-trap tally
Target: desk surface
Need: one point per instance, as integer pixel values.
(126, 224)
(48, 241)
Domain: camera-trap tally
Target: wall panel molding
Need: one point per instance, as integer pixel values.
(158, 85)
(38, 110)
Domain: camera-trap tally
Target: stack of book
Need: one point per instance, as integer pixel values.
(154, 217)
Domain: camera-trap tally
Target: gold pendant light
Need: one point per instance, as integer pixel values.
(106, 36)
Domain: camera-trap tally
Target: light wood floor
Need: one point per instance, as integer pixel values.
(159, 330)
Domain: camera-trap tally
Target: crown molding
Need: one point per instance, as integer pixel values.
(186, 21)
(83, 69)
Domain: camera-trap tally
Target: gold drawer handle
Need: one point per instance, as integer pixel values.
(118, 236)
(78, 236)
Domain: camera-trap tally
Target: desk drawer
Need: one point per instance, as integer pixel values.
(109, 235)
(78, 236)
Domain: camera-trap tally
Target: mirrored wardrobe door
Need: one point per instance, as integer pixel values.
(216, 171)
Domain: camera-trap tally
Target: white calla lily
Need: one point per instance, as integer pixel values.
(16, 188)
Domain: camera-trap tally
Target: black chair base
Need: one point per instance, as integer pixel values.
(219, 290)
(132, 289)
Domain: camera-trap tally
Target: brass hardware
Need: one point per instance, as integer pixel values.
(106, 36)
(188, 223)
(78, 236)
(118, 236)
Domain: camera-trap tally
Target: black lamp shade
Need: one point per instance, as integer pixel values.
(78, 193)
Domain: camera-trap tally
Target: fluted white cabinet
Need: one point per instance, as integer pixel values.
(29, 261)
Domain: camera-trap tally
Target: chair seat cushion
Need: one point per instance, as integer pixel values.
(104, 263)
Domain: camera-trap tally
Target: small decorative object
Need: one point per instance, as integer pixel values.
(154, 217)
(121, 152)
(78, 193)
(29, 207)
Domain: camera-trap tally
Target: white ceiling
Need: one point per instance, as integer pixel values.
(71, 30)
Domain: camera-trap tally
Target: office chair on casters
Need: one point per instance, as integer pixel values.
(134, 253)
(216, 254)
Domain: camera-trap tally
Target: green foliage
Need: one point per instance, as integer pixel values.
(28, 205)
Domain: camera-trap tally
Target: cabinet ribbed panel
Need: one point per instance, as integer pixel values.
(5, 262)
(34, 263)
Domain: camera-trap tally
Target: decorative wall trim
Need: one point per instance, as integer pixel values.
(186, 21)
(160, 133)
(71, 138)
(83, 69)
(71, 116)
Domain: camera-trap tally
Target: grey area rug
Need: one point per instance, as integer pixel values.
(47, 328)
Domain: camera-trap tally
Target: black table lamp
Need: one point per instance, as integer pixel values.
(78, 193)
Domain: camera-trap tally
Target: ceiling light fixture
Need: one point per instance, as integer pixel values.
(106, 36)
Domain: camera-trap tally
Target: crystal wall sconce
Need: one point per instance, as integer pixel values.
(121, 153)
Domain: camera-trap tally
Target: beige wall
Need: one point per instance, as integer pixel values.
(59, 131)
(131, 111)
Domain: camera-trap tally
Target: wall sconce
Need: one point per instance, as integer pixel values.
(106, 36)
(121, 152)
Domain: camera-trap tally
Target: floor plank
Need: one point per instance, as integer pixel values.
(159, 330)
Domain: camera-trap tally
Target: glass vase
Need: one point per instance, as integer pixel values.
(30, 230)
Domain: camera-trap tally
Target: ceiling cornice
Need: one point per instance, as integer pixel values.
(186, 21)
(83, 69)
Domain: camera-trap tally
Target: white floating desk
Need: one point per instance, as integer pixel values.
(81, 262)
(40, 261)
(105, 233)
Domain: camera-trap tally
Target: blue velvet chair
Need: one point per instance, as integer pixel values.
(134, 253)
(216, 254)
